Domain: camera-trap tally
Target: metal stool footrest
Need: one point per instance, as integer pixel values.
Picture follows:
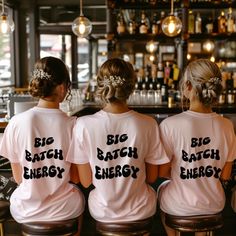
(55, 228)
(139, 227)
(198, 223)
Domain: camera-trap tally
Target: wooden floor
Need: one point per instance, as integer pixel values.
(88, 229)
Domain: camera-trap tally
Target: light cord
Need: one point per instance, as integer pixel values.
(81, 6)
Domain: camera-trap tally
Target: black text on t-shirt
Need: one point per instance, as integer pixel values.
(44, 171)
(124, 152)
(205, 153)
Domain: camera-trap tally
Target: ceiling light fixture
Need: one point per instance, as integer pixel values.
(6, 24)
(81, 26)
(171, 25)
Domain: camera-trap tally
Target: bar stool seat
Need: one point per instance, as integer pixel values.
(200, 223)
(4, 214)
(138, 228)
(55, 228)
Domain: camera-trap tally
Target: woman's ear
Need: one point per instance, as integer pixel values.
(188, 85)
(61, 91)
(187, 89)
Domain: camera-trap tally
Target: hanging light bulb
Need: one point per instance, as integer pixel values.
(152, 46)
(208, 46)
(81, 26)
(6, 24)
(171, 25)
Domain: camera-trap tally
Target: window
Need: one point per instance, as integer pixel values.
(6, 57)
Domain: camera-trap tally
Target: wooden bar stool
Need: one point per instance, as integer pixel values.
(55, 228)
(201, 223)
(137, 228)
(4, 215)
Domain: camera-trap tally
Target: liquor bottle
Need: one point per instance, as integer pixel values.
(191, 20)
(209, 25)
(155, 24)
(120, 23)
(198, 24)
(222, 23)
(167, 73)
(230, 21)
(132, 27)
(144, 25)
(159, 22)
(132, 23)
(160, 74)
(139, 83)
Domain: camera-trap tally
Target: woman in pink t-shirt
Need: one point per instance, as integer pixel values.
(118, 150)
(201, 146)
(36, 143)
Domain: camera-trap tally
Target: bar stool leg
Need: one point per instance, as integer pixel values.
(177, 233)
(1, 229)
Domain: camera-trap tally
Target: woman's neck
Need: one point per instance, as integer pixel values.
(116, 107)
(199, 107)
(46, 103)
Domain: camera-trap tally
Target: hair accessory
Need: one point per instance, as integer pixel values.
(208, 93)
(215, 80)
(39, 73)
(115, 81)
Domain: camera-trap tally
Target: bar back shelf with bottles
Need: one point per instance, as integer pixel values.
(211, 33)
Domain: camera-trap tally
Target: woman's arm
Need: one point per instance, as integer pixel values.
(85, 174)
(151, 173)
(17, 172)
(74, 175)
(164, 171)
(226, 172)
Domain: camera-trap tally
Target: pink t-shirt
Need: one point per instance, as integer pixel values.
(117, 147)
(199, 145)
(38, 139)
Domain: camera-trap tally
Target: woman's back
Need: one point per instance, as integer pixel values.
(117, 154)
(36, 142)
(199, 144)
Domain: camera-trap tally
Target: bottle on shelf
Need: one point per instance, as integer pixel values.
(230, 21)
(139, 82)
(144, 24)
(164, 93)
(132, 27)
(160, 74)
(159, 22)
(120, 23)
(155, 24)
(191, 21)
(222, 23)
(132, 23)
(198, 24)
(209, 25)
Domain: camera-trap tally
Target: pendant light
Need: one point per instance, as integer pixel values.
(81, 26)
(152, 46)
(171, 25)
(6, 24)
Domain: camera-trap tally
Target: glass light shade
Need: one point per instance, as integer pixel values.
(81, 27)
(6, 25)
(151, 46)
(171, 26)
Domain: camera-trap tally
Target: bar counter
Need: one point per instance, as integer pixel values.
(89, 108)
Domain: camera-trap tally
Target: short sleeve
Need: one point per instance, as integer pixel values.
(231, 145)
(77, 153)
(166, 140)
(7, 145)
